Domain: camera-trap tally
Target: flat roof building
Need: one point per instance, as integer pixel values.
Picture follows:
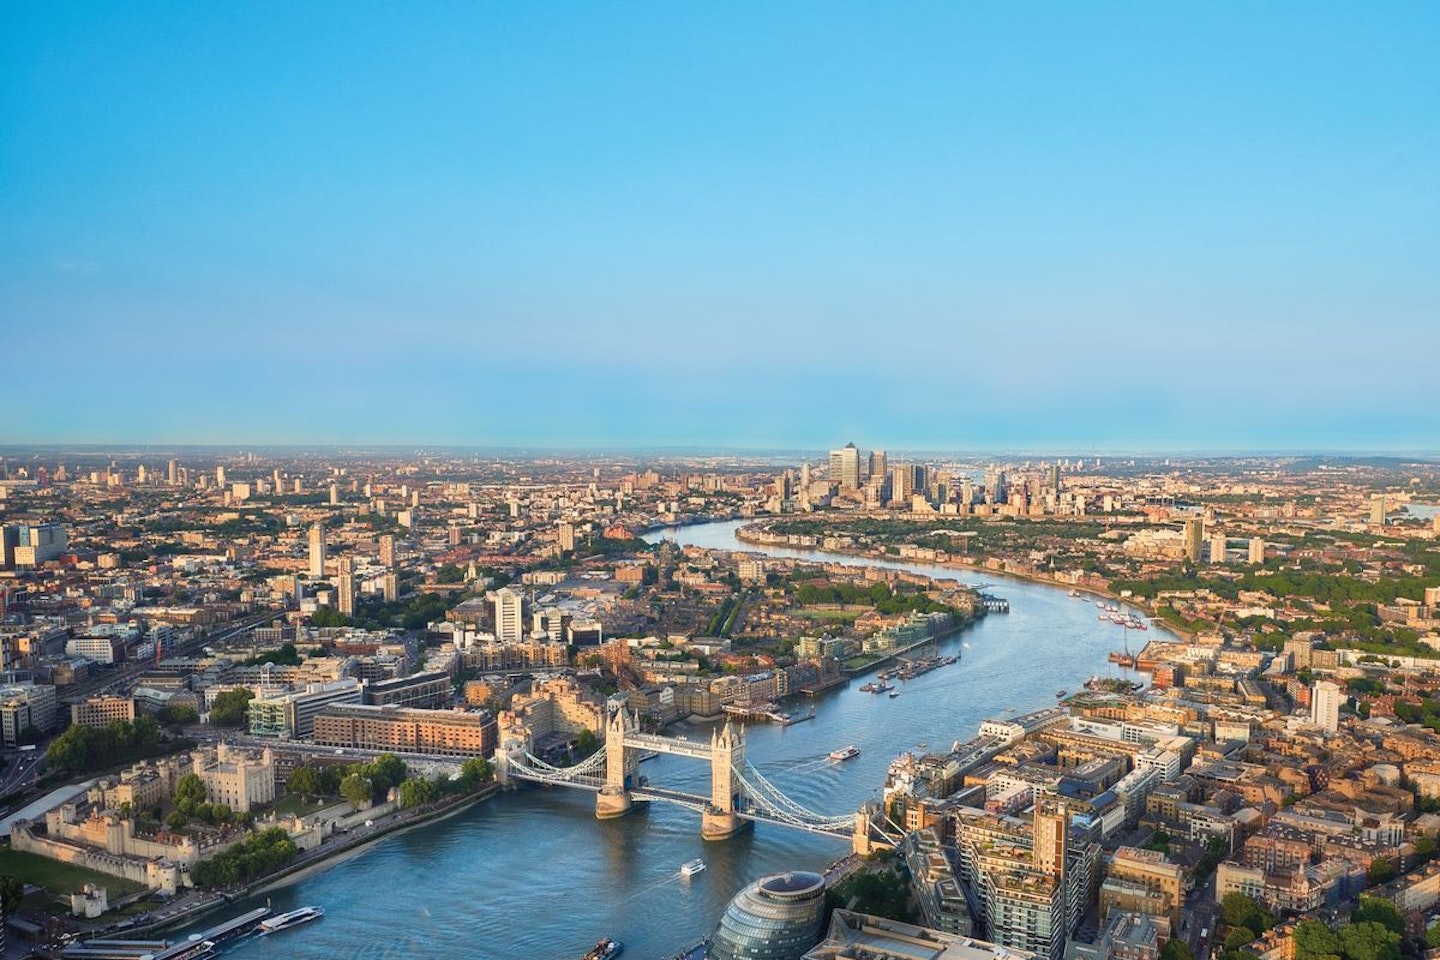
(450, 733)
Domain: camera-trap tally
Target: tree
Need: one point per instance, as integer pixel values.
(474, 772)
(417, 792)
(189, 791)
(328, 617)
(229, 707)
(586, 743)
(12, 891)
(1382, 870)
(1432, 936)
(304, 781)
(1313, 940)
(389, 767)
(1239, 937)
(71, 749)
(178, 716)
(1383, 912)
(1369, 941)
(176, 820)
(144, 733)
(30, 735)
(358, 790)
(1176, 949)
(1239, 910)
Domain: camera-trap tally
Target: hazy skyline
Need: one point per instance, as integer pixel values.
(1067, 227)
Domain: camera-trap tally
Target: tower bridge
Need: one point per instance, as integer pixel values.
(739, 794)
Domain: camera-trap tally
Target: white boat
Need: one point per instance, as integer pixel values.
(845, 753)
(291, 919)
(692, 867)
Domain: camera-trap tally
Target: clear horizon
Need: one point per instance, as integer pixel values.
(1105, 227)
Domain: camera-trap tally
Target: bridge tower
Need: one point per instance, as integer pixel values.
(613, 800)
(720, 819)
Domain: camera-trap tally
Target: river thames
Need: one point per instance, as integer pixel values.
(532, 875)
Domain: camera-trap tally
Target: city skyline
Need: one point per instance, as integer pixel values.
(744, 228)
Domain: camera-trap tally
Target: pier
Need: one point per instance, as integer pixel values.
(196, 945)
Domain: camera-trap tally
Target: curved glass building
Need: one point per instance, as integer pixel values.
(775, 918)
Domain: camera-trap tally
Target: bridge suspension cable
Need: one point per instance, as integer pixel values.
(773, 801)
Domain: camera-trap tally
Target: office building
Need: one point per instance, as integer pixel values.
(29, 545)
(1218, 545)
(878, 464)
(23, 706)
(292, 715)
(1194, 538)
(1325, 705)
(859, 936)
(845, 467)
(774, 918)
(509, 615)
(345, 586)
(99, 711)
(317, 551)
(902, 483)
(430, 689)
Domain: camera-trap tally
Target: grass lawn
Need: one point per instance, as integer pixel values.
(836, 616)
(855, 663)
(60, 878)
(292, 803)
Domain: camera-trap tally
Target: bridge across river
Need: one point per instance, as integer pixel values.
(739, 793)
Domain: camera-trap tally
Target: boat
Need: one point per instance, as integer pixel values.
(692, 867)
(894, 694)
(1059, 694)
(648, 755)
(605, 949)
(845, 753)
(293, 918)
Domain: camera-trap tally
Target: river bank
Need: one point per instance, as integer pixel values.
(747, 535)
(324, 857)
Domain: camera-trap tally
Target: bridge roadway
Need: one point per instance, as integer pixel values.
(648, 791)
(681, 748)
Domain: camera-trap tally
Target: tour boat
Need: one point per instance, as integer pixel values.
(691, 868)
(845, 753)
(291, 919)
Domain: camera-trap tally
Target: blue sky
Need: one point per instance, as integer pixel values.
(1079, 226)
